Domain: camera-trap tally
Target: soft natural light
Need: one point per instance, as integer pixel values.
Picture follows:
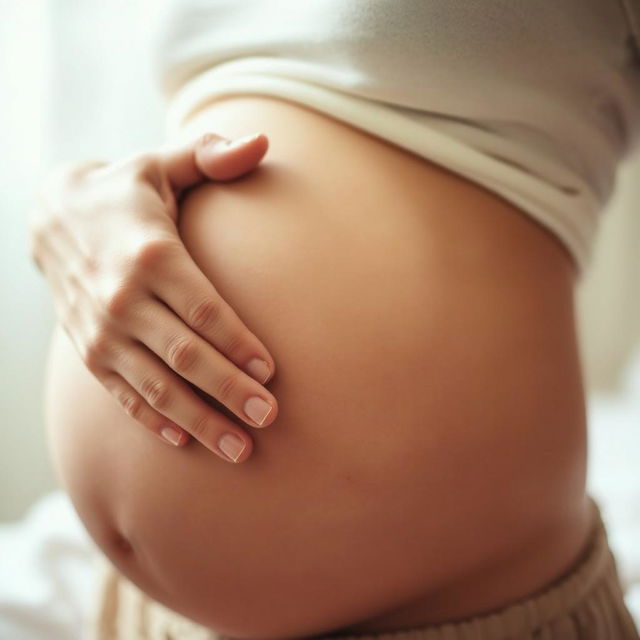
(77, 83)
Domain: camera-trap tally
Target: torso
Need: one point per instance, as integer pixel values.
(428, 461)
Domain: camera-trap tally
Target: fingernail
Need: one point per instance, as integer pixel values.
(231, 446)
(171, 435)
(257, 409)
(259, 369)
(244, 140)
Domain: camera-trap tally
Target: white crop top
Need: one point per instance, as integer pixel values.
(539, 101)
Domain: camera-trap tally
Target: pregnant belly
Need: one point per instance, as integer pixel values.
(428, 458)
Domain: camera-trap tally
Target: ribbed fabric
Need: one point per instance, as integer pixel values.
(587, 603)
(537, 101)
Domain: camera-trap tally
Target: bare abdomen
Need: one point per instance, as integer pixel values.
(430, 420)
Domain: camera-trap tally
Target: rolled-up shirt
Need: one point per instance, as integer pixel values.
(538, 101)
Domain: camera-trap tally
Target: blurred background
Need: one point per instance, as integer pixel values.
(76, 84)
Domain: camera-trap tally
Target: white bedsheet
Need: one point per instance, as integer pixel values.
(47, 560)
(47, 573)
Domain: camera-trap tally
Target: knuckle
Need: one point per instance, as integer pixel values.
(156, 393)
(97, 349)
(233, 345)
(87, 263)
(205, 314)
(182, 354)
(90, 264)
(226, 388)
(75, 282)
(149, 254)
(132, 405)
(142, 166)
(200, 426)
(118, 302)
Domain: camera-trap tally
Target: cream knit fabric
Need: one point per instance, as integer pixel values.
(537, 101)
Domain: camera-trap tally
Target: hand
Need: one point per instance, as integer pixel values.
(145, 320)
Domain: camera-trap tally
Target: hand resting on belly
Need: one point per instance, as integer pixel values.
(429, 419)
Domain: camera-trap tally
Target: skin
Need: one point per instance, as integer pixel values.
(428, 459)
(123, 300)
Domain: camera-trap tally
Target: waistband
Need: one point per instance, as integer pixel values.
(586, 603)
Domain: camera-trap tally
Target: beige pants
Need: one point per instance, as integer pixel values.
(585, 604)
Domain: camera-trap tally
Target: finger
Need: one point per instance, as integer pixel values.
(179, 283)
(169, 395)
(220, 161)
(210, 157)
(137, 408)
(197, 361)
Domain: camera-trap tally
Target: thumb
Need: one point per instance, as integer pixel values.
(211, 157)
